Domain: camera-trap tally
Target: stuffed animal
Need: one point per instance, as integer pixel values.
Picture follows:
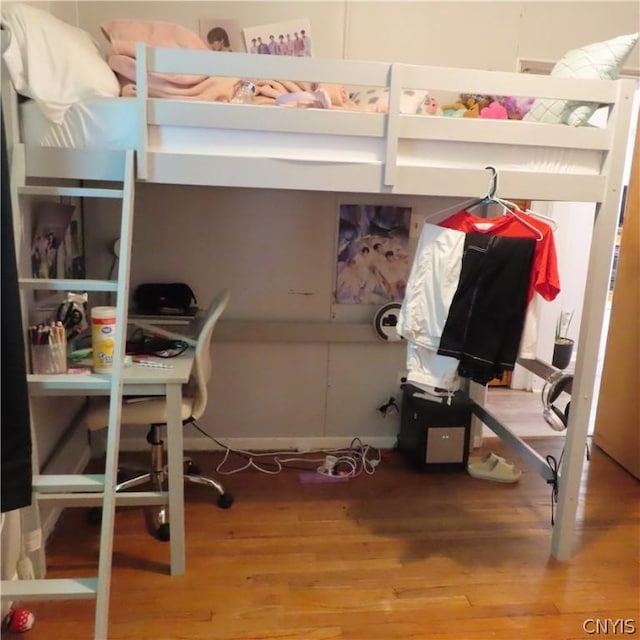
(468, 106)
(473, 108)
(455, 109)
(516, 107)
(494, 111)
(430, 107)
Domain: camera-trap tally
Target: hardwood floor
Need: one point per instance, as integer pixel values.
(396, 555)
(521, 411)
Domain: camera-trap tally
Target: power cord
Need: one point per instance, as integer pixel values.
(388, 407)
(554, 465)
(348, 463)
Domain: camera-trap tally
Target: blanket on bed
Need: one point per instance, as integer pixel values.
(123, 35)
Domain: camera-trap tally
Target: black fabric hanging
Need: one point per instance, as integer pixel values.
(488, 310)
(15, 432)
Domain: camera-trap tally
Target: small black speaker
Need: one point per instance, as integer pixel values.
(434, 434)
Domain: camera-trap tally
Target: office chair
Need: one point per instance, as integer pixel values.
(152, 411)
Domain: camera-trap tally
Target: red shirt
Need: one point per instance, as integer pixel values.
(544, 271)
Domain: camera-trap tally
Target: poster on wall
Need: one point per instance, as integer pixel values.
(221, 35)
(57, 246)
(288, 38)
(373, 254)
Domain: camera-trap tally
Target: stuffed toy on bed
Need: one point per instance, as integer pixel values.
(430, 107)
(486, 106)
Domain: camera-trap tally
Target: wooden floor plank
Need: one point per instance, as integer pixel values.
(399, 555)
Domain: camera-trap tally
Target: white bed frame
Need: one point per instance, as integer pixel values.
(344, 151)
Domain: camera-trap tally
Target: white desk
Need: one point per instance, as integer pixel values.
(147, 381)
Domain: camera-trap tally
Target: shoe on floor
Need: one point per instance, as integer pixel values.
(493, 467)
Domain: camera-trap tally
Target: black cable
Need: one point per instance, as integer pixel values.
(554, 465)
(386, 408)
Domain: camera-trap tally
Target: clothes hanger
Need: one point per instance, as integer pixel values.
(514, 209)
(454, 207)
(490, 198)
(509, 207)
(474, 202)
(552, 223)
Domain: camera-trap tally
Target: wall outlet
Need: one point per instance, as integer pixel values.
(401, 378)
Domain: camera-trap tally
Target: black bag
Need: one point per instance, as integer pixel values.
(141, 344)
(164, 298)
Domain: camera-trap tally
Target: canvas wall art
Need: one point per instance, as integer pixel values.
(57, 247)
(221, 34)
(373, 254)
(288, 38)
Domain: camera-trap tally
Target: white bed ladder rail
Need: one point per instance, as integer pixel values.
(65, 489)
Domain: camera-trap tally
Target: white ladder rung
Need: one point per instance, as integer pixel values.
(80, 192)
(50, 589)
(55, 483)
(68, 285)
(41, 384)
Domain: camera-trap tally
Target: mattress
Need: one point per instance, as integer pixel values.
(96, 123)
(110, 123)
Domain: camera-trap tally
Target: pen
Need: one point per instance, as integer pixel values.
(152, 363)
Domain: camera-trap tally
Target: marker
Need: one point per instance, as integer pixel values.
(152, 363)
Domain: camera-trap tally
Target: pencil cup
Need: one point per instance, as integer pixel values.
(103, 338)
(49, 358)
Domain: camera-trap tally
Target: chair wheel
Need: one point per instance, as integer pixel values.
(192, 469)
(163, 533)
(225, 501)
(94, 515)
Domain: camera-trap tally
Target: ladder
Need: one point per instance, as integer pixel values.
(62, 165)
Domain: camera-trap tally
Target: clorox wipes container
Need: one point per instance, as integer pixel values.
(103, 338)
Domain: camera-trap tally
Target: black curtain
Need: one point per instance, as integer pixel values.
(15, 432)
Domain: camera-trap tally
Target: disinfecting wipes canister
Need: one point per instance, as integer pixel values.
(103, 337)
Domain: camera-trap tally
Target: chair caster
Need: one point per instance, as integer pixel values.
(163, 532)
(192, 469)
(225, 501)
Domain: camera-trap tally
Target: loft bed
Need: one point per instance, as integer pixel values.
(190, 142)
(198, 142)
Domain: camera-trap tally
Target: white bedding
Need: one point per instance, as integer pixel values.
(95, 123)
(110, 123)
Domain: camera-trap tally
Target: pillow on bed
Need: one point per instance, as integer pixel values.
(377, 99)
(598, 61)
(53, 62)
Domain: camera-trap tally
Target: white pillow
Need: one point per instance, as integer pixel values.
(53, 62)
(598, 61)
(377, 98)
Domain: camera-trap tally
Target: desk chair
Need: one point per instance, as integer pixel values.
(152, 411)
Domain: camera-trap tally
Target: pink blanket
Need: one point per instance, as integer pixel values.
(162, 85)
(216, 88)
(124, 34)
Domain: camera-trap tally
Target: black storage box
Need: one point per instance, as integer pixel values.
(434, 435)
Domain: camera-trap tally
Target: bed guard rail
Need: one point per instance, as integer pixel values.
(391, 129)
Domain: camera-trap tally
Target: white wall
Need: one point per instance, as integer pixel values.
(276, 249)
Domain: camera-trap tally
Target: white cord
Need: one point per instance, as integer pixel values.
(355, 459)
